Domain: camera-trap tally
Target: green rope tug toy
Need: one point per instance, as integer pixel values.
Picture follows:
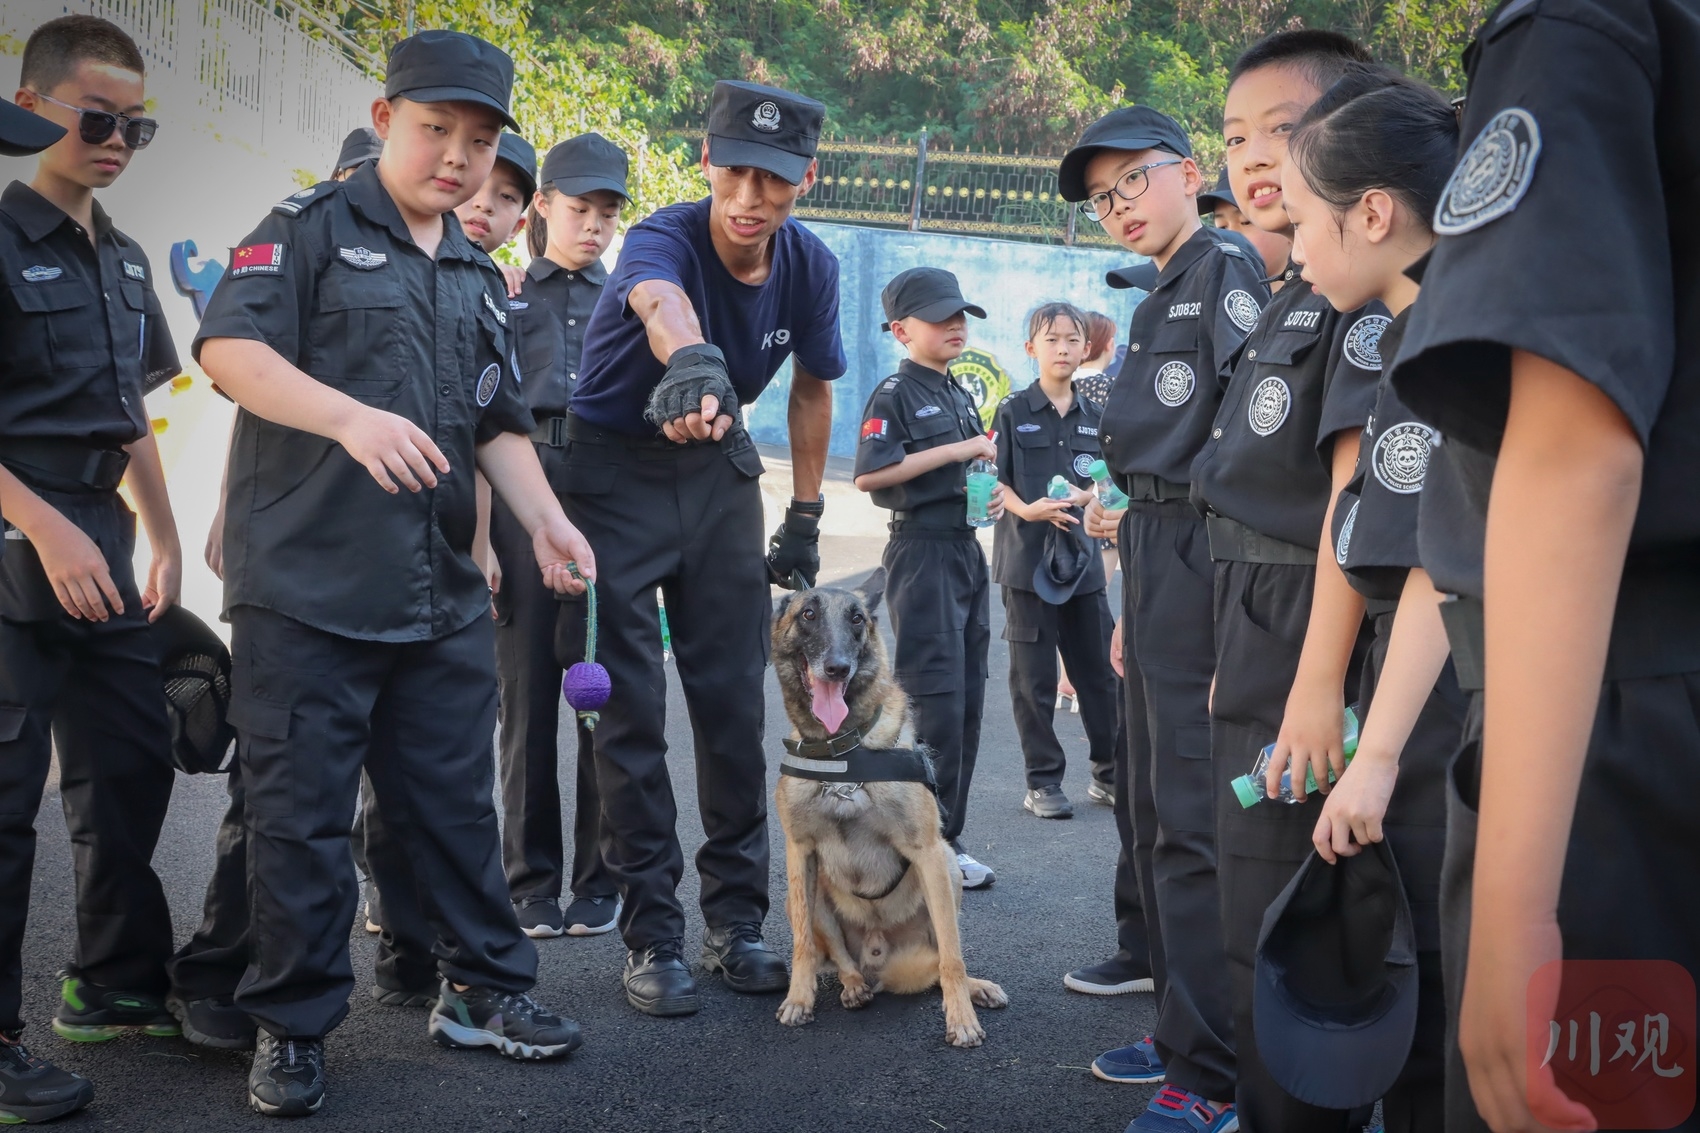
(587, 685)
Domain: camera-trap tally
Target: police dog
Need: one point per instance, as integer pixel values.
(873, 888)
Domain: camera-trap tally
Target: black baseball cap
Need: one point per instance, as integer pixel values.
(23, 133)
(585, 164)
(1063, 565)
(929, 294)
(1335, 986)
(358, 148)
(1222, 194)
(522, 155)
(1129, 128)
(451, 66)
(764, 127)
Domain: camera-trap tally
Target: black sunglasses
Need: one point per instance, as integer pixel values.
(95, 126)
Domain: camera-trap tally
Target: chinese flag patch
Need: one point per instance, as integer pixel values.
(872, 428)
(256, 259)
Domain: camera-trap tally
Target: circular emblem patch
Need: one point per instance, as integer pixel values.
(1083, 463)
(1493, 174)
(487, 383)
(1270, 402)
(1241, 308)
(1363, 342)
(1174, 383)
(766, 118)
(1343, 545)
(1401, 457)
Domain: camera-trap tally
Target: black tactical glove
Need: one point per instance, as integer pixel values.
(693, 373)
(794, 562)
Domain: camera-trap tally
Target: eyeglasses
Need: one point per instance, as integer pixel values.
(1131, 187)
(95, 126)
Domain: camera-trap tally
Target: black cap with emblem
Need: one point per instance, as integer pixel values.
(522, 155)
(1129, 128)
(764, 127)
(23, 133)
(929, 294)
(585, 164)
(451, 66)
(358, 148)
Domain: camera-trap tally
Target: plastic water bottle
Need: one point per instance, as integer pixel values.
(1253, 788)
(1110, 497)
(982, 482)
(1058, 489)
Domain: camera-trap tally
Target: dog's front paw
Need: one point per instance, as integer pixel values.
(856, 992)
(796, 1012)
(964, 1034)
(985, 993)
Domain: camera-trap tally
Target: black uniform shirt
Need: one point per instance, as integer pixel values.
(1183, 334)
(549, 321)
(83, 332)
(1035, 443)
(333, 282)
(1621, 305)
(1306, 373)
(1375, 518)
(916, 409)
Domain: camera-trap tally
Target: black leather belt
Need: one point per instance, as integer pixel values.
(1142, 486)
(1232, 541)
(551, 431)
(32, 458)
(583, 432)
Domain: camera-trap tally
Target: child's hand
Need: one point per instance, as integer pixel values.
(387, 443)
(976, 448)
(558, 545)
(1101, 522)
(1058, 513)
(513, 277)
(995, 508)
(77, 570)
(1117, 662)
(1351, 817)
(215, 542)
(1312, 734)
(164, 588)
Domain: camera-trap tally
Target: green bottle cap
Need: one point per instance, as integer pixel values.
(1098, 470)
(1245, 792)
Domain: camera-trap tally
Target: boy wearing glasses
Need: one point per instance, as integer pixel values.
(78, 667)
(1133, 173)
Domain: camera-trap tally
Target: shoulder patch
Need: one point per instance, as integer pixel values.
(256, 259)
(295, 202)
(1492, 176)
(1401, 457)
(1363, 342)
(1241, 308)
(874, 429)
(487, 383)
(1343, 546)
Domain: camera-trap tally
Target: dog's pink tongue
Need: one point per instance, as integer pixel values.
(829, 706)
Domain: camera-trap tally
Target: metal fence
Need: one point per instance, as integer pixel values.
(910, 185)
(273, 74)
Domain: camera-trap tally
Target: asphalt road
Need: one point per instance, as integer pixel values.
(731, 1067)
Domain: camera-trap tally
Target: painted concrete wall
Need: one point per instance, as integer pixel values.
(1008, 279)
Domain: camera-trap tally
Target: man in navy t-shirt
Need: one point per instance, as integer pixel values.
(708, 301)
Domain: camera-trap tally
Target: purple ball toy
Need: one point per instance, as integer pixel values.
(587, 686)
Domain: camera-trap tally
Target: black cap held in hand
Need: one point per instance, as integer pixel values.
(522, 155)
(358, 148)
(451, 66)
(23, 133)
(585, 164)
(763, 127)
(929, 294)
(1130, 128)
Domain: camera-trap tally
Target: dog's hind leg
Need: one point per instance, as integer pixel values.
(802, 878)
(938, 884)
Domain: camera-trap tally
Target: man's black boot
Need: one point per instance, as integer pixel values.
(658, 982)
(744, 960)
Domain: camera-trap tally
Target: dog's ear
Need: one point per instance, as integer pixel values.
(871, 591)
(783, 604)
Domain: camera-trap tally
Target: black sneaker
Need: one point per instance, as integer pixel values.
(288, 1078)
(1048, 802)
(215, 1021)
(744, 960)
(592, 916)
(658, 982)
(33, 1089)
(1101, 792)
(424, 996)
(509, 1021)
(1115, 976)
(89, 1013)
(539, 917)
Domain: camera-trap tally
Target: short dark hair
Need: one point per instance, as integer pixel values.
(1046, 314)
(1377, 129)
(1322, 56)
(56, 47)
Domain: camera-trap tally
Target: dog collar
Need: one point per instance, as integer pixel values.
(843, 759)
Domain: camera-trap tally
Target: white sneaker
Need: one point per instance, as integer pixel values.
(975, 875)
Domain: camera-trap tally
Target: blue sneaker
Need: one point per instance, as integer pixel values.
(1136, 1065)
(1177, 1111)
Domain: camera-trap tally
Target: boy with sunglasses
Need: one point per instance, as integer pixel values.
(79, 670)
